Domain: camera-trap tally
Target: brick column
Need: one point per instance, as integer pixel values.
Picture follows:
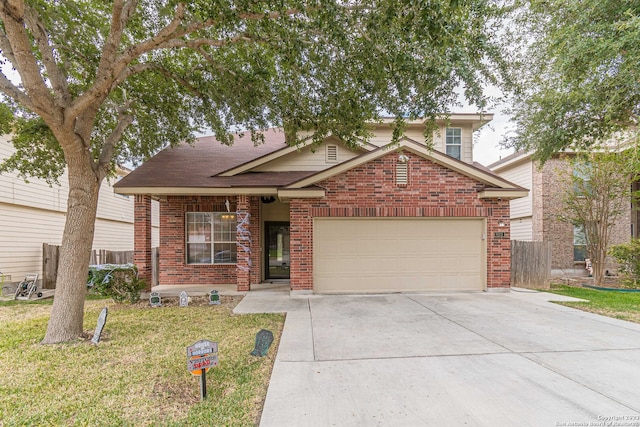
(142, 238)
(499, 248)
(301, 246)
(255, 239)
(243, 241)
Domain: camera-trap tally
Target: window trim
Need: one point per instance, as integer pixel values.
(579, 234)
(447, 144)
(211, 242)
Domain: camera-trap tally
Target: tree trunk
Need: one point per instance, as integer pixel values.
(67, 313)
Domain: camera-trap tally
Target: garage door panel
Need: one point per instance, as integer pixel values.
(386, 255)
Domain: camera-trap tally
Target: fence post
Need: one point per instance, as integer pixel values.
(49, 265)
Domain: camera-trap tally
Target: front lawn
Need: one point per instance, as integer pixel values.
(137, 374)
(620, 305)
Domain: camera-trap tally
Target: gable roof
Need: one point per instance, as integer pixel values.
(488, 178)
(209, 167)
(252, 164)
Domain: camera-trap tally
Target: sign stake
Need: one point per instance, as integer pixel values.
(203, 385)
(201, 356)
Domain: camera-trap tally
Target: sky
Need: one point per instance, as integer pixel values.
(486, 149)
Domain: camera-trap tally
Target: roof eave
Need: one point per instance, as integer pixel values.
(191, 191)
(502, 193)
(286, 194)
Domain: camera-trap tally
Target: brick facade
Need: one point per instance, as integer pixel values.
(172, 259)
(370, 191)
(548, 182)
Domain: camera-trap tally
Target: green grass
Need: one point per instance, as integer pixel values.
(620, 305)
(137, 374)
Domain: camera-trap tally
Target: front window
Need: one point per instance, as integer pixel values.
(454, 142)
(579, 243)
(211, 238)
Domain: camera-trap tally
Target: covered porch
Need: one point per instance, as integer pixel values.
(231, 243)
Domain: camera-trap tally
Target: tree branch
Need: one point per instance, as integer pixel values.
(12, 91)
(168, 37)
(12, 15)
(54, 73)
(122, 12)
(106, 154)
(5, 45)
(140, 68)
(197, 43)
(112, 68)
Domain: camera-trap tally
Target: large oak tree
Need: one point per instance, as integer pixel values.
(578, 73)
(103, 82)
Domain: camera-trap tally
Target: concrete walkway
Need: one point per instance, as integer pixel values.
(473, 359)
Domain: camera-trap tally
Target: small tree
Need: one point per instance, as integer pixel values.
(598, 192)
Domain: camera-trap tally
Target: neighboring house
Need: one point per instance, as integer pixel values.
(382, 218)
(34, 213)
(536, 217)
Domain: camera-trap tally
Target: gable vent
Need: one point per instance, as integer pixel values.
(402, 176)
(332, 154)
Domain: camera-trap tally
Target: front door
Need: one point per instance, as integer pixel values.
(277, 253)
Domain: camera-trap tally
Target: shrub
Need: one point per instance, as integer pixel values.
(119, 282)
(628, 256)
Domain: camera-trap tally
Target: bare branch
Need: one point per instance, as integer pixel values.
(122, 12)
(12, 91)
(5, 45)
(54, 73)
(106, 155)
(12, 15)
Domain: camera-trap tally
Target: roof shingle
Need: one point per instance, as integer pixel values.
(195, 165)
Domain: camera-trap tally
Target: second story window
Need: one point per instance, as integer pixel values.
(454, 142)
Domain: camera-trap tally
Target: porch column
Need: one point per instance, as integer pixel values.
(243, 241)
(142, 238)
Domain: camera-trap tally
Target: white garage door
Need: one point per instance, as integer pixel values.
(371, 255)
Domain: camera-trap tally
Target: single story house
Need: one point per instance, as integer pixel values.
(383, 218)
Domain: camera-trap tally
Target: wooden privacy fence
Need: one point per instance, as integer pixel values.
(50, 254)
(530, 264)
(103, 256)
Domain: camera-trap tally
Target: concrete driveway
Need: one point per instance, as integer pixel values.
(473, 359)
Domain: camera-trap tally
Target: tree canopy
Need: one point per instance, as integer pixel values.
(139, 75)
(577, 73)
(103, 82)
